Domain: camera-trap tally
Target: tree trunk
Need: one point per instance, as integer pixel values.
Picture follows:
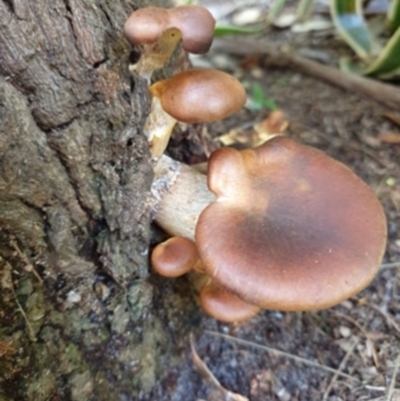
(79, 317)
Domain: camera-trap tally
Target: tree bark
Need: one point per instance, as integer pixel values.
(79, 317)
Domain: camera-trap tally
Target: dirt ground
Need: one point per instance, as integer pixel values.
(349, 352)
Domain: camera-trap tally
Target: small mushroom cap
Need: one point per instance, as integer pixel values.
(146, 25)
(197, 26)
(196, 23)
(174, 257)
(200, 95)
(224, 305)
(292, 229)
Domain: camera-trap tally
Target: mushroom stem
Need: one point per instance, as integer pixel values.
(180, 194)
(158, 128)
(156, 55)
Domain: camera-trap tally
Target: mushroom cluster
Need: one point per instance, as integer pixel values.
(192, 96)
(280, 226)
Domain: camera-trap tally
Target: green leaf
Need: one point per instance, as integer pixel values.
(351, 66)
(394, 15)
(259, 100)
(304, 10)
(387, 65)
(223, 30)
(275, 10)
(349, 20)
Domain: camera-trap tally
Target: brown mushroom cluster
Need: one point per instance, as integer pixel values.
(191, 96)
(281, 226)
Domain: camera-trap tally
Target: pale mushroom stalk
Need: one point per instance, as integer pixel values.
(156, 55)
(180, 194)
(158, 128)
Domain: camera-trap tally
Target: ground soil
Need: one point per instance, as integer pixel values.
(360, 337)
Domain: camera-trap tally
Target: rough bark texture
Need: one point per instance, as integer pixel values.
(79, 319)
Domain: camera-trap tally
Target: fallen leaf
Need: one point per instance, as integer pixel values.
(313, 25)
(6, 278)
(235, 136)
(275, 123)
(395, 117)
(389, 137)
(285, 20)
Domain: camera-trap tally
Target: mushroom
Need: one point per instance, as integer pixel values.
(197, 26)
(223, 305)
(193, 96)
(283, 226)
(174, 257)
(146, 25)
(196, 23)
(156, 55)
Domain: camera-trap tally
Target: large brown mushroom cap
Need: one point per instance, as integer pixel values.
(200, 95)
(292, 229)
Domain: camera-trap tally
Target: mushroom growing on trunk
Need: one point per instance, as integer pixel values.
(178, 256)
(158, 31)
(283, 226)
(196, 23)
(174, 257)
(193, 96)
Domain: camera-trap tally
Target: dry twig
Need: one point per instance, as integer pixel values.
(393, 379)
(341, 367)
(223, 393)
(8, 282)
(384, 93)
(364, 332)
(282, 353)
(390, 265)
(388, 318)
(28, 265)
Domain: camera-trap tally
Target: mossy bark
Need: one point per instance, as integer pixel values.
(79, 318)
